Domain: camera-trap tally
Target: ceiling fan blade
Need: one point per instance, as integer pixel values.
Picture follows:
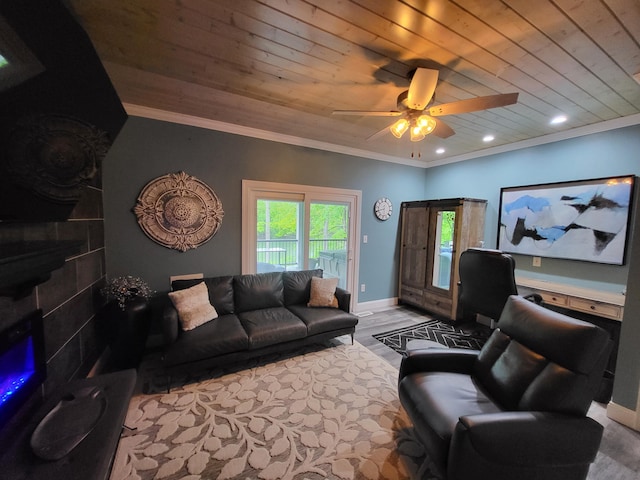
(423, 84)
(364, 113)
(380, 133)
(442, 130)
(474, 104)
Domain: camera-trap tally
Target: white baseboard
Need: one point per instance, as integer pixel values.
(623, 415)
(376, 305)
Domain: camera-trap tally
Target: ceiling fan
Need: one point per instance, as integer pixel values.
(418, 119)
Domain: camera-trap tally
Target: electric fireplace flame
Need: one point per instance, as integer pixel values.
(17, 366)
(22, 363)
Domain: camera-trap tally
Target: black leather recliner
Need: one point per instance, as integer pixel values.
(487, 279)
(515, 409)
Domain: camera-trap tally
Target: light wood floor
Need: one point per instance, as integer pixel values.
(619, 454)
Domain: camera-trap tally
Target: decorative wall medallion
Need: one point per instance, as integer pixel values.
(55, 156)
(178, 211)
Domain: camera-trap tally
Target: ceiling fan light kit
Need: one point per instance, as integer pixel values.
(416, 134)
(426, 123)
(420, 127)
(398, 128)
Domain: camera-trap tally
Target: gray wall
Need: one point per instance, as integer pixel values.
(593, 156)
(146, 149)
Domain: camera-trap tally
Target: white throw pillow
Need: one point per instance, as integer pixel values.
(193, 306)
(323, 292)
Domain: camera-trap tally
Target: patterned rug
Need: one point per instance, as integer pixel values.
(471, 336)
(331, 413)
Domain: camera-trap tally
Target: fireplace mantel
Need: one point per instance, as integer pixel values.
(23, 265)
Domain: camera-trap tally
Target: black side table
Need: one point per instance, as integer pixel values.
(93, 456)
(130, 328)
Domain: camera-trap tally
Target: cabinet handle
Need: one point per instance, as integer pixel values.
(592, 307)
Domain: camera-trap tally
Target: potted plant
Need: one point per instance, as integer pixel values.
(124, 289)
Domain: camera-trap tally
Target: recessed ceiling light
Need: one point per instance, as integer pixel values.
(557, 120)
(440, 151)
(488, 138)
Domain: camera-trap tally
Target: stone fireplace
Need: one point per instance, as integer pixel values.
(70, 300)
(74, 333)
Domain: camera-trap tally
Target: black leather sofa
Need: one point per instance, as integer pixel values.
(515, 409)
(258, 314)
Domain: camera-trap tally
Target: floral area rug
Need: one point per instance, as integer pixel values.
(332, 413)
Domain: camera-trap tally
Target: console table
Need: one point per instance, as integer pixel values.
(595, 302)
(604, 309)
(92, 457)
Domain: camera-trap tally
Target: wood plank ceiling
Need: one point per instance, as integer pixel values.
(278, 68)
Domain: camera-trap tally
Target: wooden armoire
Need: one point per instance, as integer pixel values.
(434, 234)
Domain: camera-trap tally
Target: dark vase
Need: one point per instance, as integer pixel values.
(130, 330)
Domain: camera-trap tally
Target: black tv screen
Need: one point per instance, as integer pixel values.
(59, 112)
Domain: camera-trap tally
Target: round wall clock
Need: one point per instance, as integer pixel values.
(383, 208)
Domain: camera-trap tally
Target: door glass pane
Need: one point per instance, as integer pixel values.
(279, 236)
(328, 240)
(443, 248)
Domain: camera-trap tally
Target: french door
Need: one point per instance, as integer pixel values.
(300, 227)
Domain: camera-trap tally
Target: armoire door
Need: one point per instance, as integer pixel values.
(415, 235)
(442, 226)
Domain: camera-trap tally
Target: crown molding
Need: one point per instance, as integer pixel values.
(184, 119)
(614, 124)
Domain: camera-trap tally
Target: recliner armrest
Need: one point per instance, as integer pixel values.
(455, 360)
(344, 299)
(522, 439)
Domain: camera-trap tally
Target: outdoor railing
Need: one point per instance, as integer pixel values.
(285, 252)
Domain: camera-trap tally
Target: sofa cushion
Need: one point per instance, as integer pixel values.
(435, 401)
(271, 325)
(220, 291)
(225, 335)
(297, 286)
(257, 291)
(193, 306)
(323, 292)
(320, 320)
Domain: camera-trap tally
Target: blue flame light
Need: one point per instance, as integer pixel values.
(13, 385)
(16, 367)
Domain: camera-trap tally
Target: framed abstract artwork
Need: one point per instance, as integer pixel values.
(584, 220)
